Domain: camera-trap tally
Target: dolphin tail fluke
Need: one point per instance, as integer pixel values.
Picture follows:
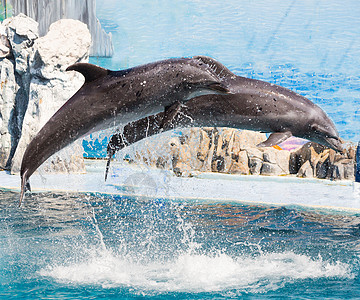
(275, 138)
(169, 114)
(25, 186)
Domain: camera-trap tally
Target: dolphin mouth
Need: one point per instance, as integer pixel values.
(334, 143)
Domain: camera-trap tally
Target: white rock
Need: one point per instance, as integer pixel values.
(67, 42)
(269, 155)
(45, 98)
(21, 31)
(23, 26)
(279, 158)
(255, 153)
(282, 159)
(249, 139)
(4, 42)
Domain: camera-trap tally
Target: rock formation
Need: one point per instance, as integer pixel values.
(46, 12)
(314, 160)
(231, 151)
(34, 84)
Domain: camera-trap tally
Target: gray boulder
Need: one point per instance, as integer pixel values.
(306, 171)
(270, 169)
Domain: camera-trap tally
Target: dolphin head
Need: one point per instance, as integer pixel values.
(326, 136)
(323, 131)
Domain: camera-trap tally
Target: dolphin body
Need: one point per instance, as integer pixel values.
(251, 104)
(112, 97)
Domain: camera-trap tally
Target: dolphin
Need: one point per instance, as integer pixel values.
(110, 97)
(272, 108)
(252, 104)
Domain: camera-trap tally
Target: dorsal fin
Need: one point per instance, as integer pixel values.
(89, 71)
(215, 65)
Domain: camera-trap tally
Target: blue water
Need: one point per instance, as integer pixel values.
(83, 246)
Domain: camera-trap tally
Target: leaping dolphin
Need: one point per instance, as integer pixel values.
(110, 97)
(253, 105)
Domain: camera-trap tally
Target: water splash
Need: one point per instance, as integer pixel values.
(196, 273)
(147, 267)
(96, 225)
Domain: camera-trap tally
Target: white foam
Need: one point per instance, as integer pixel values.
(198, 272)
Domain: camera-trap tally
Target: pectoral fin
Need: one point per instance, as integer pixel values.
(169, 114)
(275, 138)
(116, 143)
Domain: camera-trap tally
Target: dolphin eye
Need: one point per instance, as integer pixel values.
(316, 128)
(313, 127)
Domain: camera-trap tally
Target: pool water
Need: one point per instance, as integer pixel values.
(87, 246)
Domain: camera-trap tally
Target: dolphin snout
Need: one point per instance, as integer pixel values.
(334, 143)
